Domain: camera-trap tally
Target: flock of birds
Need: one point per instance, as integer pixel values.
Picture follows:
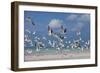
(59, 44)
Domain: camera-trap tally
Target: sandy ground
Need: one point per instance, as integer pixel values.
(58, 55)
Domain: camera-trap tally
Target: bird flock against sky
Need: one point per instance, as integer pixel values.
(56, 30)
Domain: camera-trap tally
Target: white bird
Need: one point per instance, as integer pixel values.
(82, 48)
(67, 46)
(29, 51)
(28, 31)
(34, 33)
(63, 30)
(31, 43)
(25, 36)
(58, 48)
(80, 39)
(72, 45)
(49, 42)
(58, 37)
(88, 42)
(44, 38)
(29, 20)
(65, 37)
(78, 33)
(69, 42)
(37, 49)
(53, 44)
(27, 40)
(36, 37)
(49, 31)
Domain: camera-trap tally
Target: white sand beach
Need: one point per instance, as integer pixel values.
(59, 55)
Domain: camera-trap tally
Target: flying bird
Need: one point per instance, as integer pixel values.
(50, 31)
(33, 23)
(63, 30)
(34, 33)
(62, 37)
(29, 20)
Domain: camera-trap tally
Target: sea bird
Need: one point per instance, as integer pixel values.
(29, 20)
(63, 30)
(50, 31)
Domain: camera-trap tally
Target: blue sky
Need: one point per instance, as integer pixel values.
(71, 21)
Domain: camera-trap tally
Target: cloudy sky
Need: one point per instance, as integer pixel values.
(71, 21)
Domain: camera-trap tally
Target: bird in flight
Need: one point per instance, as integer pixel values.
(30, 21)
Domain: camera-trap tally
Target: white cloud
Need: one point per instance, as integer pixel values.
(80, 21)
(55, 23)
(84, 18)
(77, 27)
(72, 17)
